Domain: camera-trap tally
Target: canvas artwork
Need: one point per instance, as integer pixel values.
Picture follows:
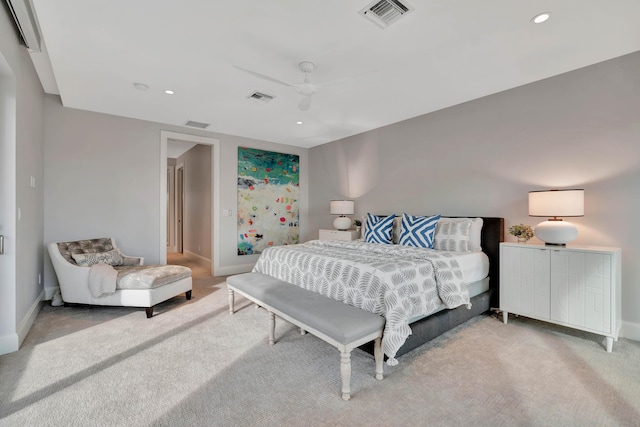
(268, 189)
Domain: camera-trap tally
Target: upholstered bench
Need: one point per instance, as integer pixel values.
(134, 284)
(341, 325)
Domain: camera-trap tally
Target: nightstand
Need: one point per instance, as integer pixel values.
(346, 235)
(573, 286)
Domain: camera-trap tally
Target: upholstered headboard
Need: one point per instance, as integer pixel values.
(491, 236)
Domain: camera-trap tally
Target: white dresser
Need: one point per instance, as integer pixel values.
(339, 235)
(574, 286)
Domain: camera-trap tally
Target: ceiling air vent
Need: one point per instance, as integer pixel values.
(261, 96)
(385, 12)
(197, 124)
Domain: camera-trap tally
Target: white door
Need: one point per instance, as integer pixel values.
(8, 336)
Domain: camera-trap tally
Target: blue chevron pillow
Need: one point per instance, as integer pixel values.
(379, 229)
(418, 231)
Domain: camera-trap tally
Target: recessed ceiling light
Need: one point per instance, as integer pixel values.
(541, 17)
(169, 92)
(140, 86)
(298, 122)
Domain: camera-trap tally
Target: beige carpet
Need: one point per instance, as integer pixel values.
(193, 364)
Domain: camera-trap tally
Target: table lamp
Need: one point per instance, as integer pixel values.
(555, 204)
(342, 208)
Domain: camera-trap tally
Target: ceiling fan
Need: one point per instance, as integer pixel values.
(306, 88)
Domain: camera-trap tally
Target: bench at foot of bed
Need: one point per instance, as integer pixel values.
(341, 325)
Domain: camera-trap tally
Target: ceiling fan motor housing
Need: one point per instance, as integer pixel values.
(307, 66)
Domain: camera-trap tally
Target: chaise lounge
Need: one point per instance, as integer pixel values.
(96, 272)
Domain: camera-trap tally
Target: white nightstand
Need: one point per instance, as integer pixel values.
(339, 235)
(574, 286)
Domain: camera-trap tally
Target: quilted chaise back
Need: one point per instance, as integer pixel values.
(103, 244)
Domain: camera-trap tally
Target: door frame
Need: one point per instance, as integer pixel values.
(179, 208)
(171, 208)
(165, 136)
(9, 338)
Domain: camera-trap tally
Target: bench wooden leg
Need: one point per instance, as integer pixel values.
(272, 328)
(379, 358)
(345, 373)
(149, 311)
(188, 295)
(231, 309)
(302, 332)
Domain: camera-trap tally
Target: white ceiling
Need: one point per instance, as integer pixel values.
(177, 148)
(443, 53)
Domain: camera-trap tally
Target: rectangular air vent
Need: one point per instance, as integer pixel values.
(385, 12)
(261, 96)
(197, 124)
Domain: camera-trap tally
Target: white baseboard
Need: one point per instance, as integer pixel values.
(234, 269)
(11, 342)
(25, 324)
(49, 292)
(630, 330)
(195, 255)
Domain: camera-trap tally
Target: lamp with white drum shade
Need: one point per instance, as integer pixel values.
(342, 208)
(555, 204)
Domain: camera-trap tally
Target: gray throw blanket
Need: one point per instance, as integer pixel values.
(102, 280)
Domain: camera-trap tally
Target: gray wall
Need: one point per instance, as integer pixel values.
(21, 298)
(580, 130)
(197, 200)
(102, 178)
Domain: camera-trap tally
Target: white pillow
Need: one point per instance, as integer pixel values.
(87, 260)
(475, 234)
(452, 234)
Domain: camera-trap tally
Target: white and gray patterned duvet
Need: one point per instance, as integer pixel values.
(397, 282)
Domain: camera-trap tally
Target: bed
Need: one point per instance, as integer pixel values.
(421, 293)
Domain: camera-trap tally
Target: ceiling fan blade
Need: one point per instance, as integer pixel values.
(262, 76)
(305, 103)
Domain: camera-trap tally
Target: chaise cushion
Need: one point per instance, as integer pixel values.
(149, 276)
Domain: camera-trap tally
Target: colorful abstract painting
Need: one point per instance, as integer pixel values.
(268, 189)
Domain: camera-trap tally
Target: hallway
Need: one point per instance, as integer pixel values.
(203, 281)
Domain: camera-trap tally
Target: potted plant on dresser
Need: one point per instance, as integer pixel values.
(521, 232)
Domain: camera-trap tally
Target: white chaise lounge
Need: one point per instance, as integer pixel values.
(137, 285)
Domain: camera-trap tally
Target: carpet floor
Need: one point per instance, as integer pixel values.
(194, 364)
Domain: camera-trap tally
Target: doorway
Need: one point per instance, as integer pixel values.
(165, 136)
